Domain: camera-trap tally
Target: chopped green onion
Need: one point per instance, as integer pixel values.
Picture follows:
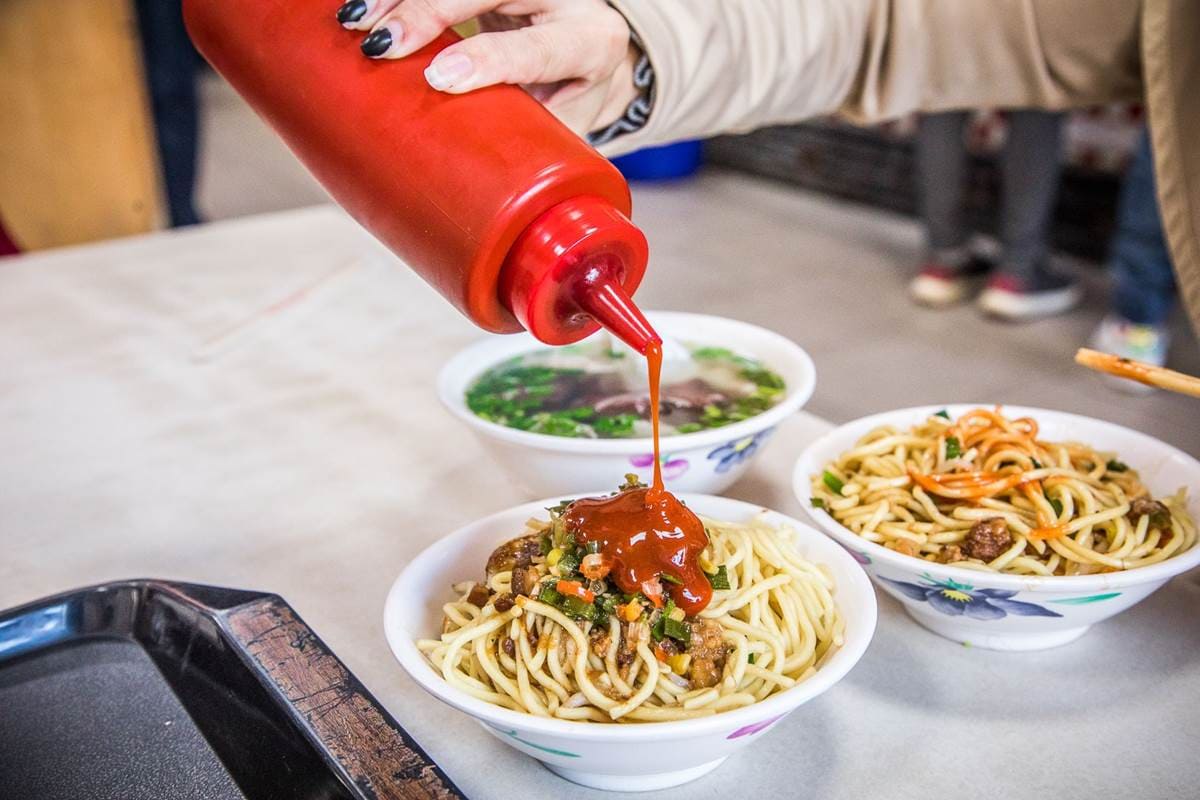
(571, 606)
(577, 608)
(1036, 464)
(719, 579)
(953, 447)
(818, 503)
(569, 563)
(616, 426)
(944, 414)
(753, 657)
(679, 631)
(832, 481)
(659, 629)
(606, 606)
(689, 427)
(764, 379)
(549, 595)
(1116, 466)
(558, 423)
(669, 578)
(667, 627)
(703, 353)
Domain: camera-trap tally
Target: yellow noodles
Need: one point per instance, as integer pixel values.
(779, 614)
(983, 492)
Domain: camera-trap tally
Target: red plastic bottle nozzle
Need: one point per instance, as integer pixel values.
(573, 269)
(608, 303)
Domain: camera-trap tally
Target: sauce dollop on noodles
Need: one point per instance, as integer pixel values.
(646, 535)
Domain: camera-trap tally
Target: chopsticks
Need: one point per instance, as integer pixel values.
(1138, 371)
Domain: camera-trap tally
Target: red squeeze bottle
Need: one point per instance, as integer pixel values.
(493, 201)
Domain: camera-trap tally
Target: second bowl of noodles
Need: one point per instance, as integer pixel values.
(1006, 528)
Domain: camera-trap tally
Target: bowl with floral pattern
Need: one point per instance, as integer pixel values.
(631, 756)
(1002, 611)
(706, 461)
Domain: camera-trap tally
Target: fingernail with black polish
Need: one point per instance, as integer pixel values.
(352, 11)
(377, 42)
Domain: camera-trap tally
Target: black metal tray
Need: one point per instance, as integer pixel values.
(151, 689)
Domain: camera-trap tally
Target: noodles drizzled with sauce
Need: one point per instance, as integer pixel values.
(777, 624)
(983, 492)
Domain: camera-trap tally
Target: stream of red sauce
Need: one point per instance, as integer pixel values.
(648, 532)
(654, 365)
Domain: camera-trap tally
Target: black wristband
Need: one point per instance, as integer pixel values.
(638, 110)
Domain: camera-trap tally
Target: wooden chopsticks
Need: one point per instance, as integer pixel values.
(1138, 371)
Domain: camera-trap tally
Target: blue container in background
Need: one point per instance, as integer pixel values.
(665, 162)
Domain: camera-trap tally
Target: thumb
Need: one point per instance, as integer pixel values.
(543, 53)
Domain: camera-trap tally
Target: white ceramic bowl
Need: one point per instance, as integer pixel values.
(706, 461)
(634, 757)
(1036, 612)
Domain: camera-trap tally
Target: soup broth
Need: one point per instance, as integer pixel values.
(593, 390)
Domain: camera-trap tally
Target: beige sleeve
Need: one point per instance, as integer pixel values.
(730, 65)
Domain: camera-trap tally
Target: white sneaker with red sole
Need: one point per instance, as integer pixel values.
(1010, 297)
(938, 285)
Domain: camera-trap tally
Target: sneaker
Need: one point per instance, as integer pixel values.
(939, 284)
(1121, 337)
(1010, 297)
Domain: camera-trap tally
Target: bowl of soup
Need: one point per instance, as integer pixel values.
(566, 419)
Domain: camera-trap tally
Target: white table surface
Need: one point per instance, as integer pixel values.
(250, 404)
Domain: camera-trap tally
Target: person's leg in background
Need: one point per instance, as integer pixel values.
(1025, 286)
(941, 164)
(171, 66)
(1143, 281)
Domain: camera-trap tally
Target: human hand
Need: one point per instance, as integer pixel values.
(575, 56)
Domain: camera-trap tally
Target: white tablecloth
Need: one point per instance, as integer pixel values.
(250, 404)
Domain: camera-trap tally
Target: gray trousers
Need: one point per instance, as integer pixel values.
(1030, 168)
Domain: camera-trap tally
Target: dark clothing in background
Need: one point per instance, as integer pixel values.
(1144, 290)
(171, 67)
(1030, 168)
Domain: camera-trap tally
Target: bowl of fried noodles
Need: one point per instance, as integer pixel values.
(1006, 528)
(514, 621)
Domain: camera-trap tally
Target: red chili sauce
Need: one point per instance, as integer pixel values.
(646, 538)
(647, 532)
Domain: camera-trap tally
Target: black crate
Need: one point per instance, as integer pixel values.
(875, 166)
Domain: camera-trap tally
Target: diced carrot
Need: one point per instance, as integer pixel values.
(576, 589)
(659, 653)
(1048, 532)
